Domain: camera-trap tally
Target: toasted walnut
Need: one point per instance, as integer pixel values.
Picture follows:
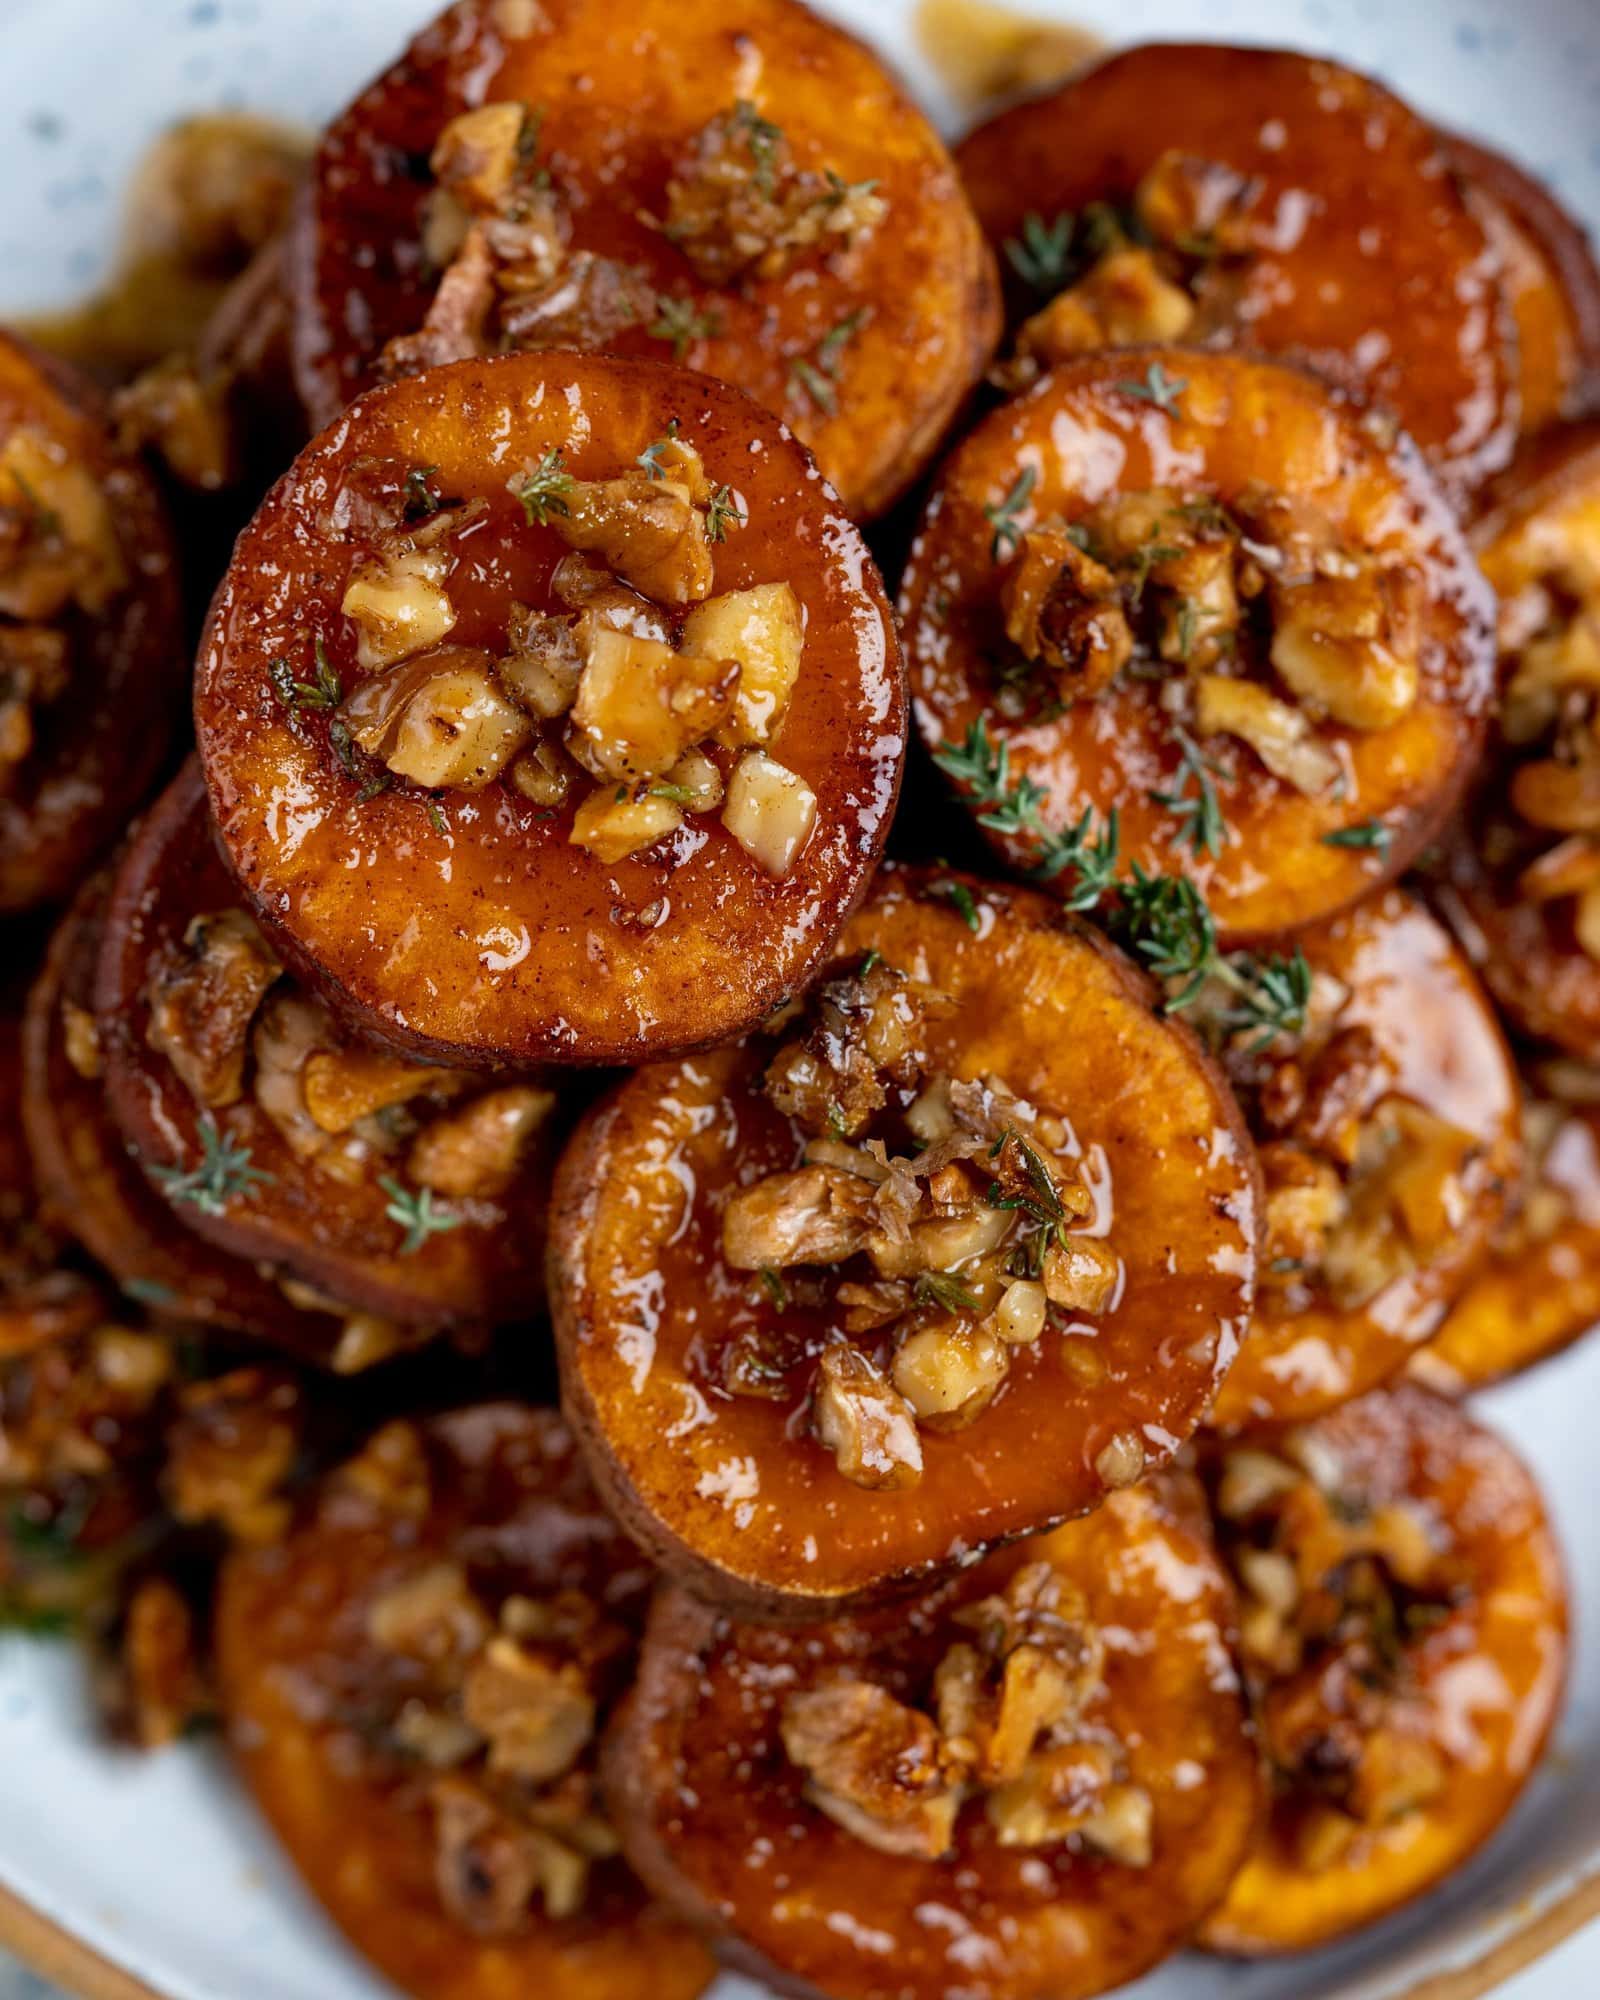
(873, 1766)
(1305, 1202)
(770, 810)
(1198, 205)
(1019, 1317)
(583, 585)
(344, 1085)
(488, 1867)
(58, 540)
(202, 1000)
(1200, 598)
(160, 1689)
(544, 774)
(457, 730)
(1123, 300)
(1561, 794)
(865, 1422)
(289, 1030)
(365, 1339)
(813, 1215)
(1064, 609)
(586, 303)
(430, 1614)
(80, 1037)
(1406, 1200)
(865, 1033)
(391, 1471)
(949, 1373)
(478, 153)
(475, 1153)
(1121, 1462)
(1081, 1273)
(613, 824)
(399, 605)
(640, 705)
(537, 1715)
(646, 530)
(542, 665)
(1281, 735)
(173, 409)
(230, 1451)
(1347, 644)
(763, 629)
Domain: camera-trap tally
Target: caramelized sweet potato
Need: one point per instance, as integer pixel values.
(1268, 198)
(940, 1262)
(92, 660)
(412, 1683)
(1203, 593)
(1521, 874)
(745, 189)
(1029, 1784)
(1404, 1631)
(93, 1191)
(1539, 1288)
(381, 1183)
(585, 770)
(1388, 1131)
(1551, 282)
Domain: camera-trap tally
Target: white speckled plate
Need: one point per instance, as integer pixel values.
(158, 1867)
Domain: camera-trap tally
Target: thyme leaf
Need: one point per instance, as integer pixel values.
(414, 1210)
(223, 1174)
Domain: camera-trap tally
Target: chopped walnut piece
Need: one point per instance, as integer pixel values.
(950, 1373)
(344, 1085)
(583, 585)
(391, 1471)
(430, 1614)
(474, 1153)
(230, 1451)
(455, 326)
(540, 670)
(1123, 300)
(203, 999)
(1064, 609)
(160, 1689)
(80, 1036)
(478, 153)
(812, 1215)
(365, 1339)
(865, 1422)
(489, 1866)
(1081, 1273)
(613, 827)
(1305, 1202)
(1347, 643)
(457, 730)
(290, 1028)
(537, 1715)
(1198, 205)
(770, 810)
(866, 1032)
(763, 629)
(1121, 1462)
(585, 303)
(174, 409)
(1281, 735)
(646, 530)
(543, 774)
(58, 540)
(398, 604)
(640, 705)
(873, 1765)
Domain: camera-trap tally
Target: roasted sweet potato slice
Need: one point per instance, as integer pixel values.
(90, 1188)
(942, 1261)
(585, 770)
(1521, 875)
(746, 190)
(1012, 1751)
(1550, 278)
(1179, 191)
(1205, 594)
(1388, 1128)
(1404, 1630)
(412, 1683)
(383, 1183)
(1539, 1289)
(92, 656)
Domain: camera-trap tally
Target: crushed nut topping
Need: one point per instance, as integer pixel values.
(231, 1448)
(1011, 1725)
(936, 1262)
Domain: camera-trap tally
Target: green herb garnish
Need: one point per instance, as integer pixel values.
(544, 490)
(414, 1211)
(1158, 387)
(1002, 514)
(224, 1173)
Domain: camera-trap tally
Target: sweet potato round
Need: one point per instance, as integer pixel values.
(1413, 991)
(1504, 1635)
(1088, 433)
(100, 744)
(496, 941)
(714, 1817)
(335, 1234)
(621, 96)
(295, 1662)
(1370, 264)
(722, 1491)
(92, 1189)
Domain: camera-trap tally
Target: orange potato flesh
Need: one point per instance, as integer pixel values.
(93, 1190)
(294, 1663)
(497, 941)
(335, 1234)
(1527, 951)
(714, 1818)
(1413, 990)
(1550, 278)
(622, 96)
(1237, 425)
(1490, 1673)
(1540, 1287)
(99, 746)
(733, 1495)
(1368, 262)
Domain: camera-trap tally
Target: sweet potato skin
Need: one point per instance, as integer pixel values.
(1236, 421)
(1512, 1620)
(709, 1807)
(530, 950)
(733, 1504)
(1413, 990)
(101, 745)
(613, 126)
(292, 1617)
(1377, 274)
(335, 1236)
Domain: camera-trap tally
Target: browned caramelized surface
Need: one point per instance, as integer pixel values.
(1339, 235)
(866, 340)
(1216, 436)
(340, 1656)
(1390, 1144)
(725, 1487)
(718, 1818)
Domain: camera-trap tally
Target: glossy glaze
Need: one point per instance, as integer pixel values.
(1491, 1673)
(300, 1676)
(333, 1234)
(1236, 423)
(713, 1814)
(99, 747)
(497, 941)
(731, 1492)
(1412, 988)
(622, 97)
(1373, 267)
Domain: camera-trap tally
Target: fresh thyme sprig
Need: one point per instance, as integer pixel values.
(762, 139)
(421, 500)
(1371, 834)
(722, 512)
(1042, 254)
(814, 373)
(1002, 514)
(939, 1288)
(414, 1211)
(649, 460)
(224, 1172)
(1199, 814)
(681, 322)
(1157, 387)
(543, 490)
(325, 691)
